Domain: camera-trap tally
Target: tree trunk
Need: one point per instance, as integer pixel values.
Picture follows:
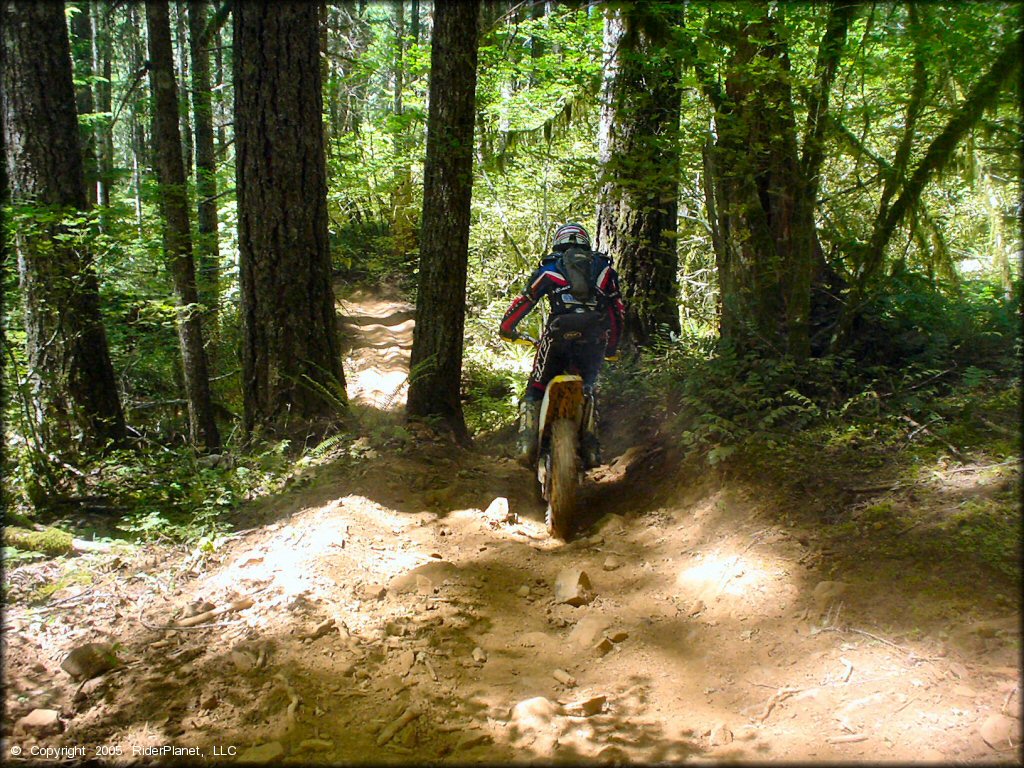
(182, 66)
(101, 63)
(81, 48)
(69, 361)
(290, 356)
(207, 247)
(170, 173)
(636, 219)
(436, 361)
(768, 254)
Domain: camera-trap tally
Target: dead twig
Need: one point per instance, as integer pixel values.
(980, 469)
(779, 695)
(199, 620)
(293, 697)
(1009, 698)
(849, 670)
(923, 428)
(410, 714)
(849, 738)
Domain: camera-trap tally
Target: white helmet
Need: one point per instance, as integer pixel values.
(571, 233)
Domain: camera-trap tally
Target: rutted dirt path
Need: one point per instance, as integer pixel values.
(405, 609)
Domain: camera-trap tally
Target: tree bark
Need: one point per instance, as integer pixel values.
(170, 173)
(207, 246)
(436, 361)
(81, 48)
(290, 356)
(640, 110)
(102, 64)
(768, 253)
(72, 377)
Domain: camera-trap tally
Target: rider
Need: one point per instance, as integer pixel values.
(586, 306)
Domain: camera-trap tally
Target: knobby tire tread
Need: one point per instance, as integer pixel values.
(563, 478)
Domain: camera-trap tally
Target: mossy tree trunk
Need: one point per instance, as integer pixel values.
(436, 361)
(636, 220)
(74, 390)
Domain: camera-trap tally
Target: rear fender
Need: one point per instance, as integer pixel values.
(563, 399)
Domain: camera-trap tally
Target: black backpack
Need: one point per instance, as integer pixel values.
(580, 269)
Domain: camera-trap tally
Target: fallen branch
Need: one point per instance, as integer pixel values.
(849, 738)
(779, 695)
(198, 621)
(981, 469)
(199, 618)
(925, 430)
(410, 714)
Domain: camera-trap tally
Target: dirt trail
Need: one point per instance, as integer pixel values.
(404, 610)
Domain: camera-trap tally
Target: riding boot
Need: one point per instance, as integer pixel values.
(526, 441)
(590, 445)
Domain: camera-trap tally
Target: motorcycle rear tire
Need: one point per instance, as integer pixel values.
(563, 477)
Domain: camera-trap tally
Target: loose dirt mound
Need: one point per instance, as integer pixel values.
(410, 607)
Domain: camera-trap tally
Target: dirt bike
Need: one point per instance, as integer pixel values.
(565, 411)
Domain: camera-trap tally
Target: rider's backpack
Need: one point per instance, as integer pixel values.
(579, 267)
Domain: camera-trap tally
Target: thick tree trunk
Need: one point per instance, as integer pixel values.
(436, 362)
(73, 380)
(207, 247)
(768, 253)
(81, 48)
(636, 219)
(291, 362)
(170, 174)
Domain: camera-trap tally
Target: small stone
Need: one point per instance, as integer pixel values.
(533, 714)
(604, 647)
(1000, 731)
(316, 745)
(406, 660)
(523, 591)
(613, 755)
(588, 629)
(564, 678)
(39, 722)
(89, 660)
(262, 754)
(611, 563)
(424, 586)
(573, 587)
(372, 592)
(720, 735)
(827, 592)
(586, 707)
(243, 662)
(497, 509)
(478, 655)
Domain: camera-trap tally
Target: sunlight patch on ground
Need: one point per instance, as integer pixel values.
(754, 578)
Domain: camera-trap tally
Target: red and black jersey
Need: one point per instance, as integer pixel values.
(549, 281)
